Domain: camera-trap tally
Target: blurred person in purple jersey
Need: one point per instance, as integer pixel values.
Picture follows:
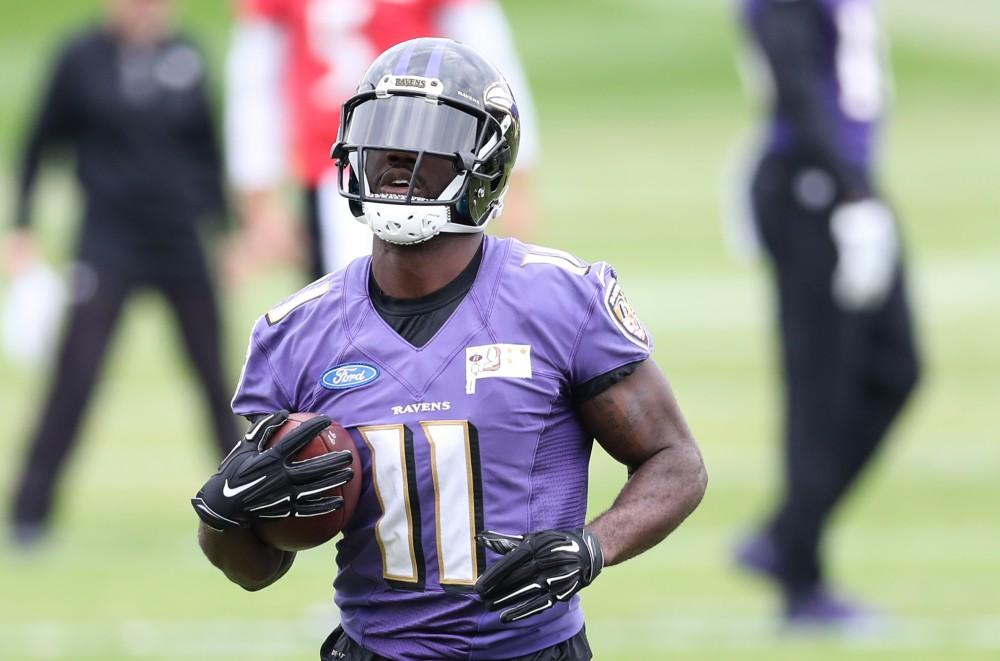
(128, 98)
(849, 357)
(291, 66)
(473, 374)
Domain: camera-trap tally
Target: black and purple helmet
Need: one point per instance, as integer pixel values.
(428, 142)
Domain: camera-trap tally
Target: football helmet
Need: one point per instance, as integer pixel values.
(428, 142)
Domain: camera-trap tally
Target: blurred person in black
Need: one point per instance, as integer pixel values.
(848, 353)
(128, 98)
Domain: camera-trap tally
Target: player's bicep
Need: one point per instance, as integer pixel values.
(637, 417)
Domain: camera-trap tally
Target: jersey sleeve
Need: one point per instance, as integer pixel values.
(611, 338)
(259, 390)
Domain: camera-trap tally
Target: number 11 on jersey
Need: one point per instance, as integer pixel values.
(458, 511)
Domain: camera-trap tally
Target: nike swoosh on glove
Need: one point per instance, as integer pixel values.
(254, 482)
(537, 570)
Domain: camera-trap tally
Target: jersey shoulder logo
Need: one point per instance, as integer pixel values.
(349, 375)
(621, 311)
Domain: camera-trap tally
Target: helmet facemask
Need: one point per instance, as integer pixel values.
(414, 163)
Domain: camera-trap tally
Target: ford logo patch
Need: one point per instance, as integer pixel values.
(351, 375)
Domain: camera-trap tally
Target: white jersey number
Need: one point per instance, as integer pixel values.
(454, 453)
(860, 62)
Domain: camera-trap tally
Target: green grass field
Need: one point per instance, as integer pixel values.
(637, 97)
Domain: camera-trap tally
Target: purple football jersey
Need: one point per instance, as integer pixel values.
(473, 431)
(850, 75)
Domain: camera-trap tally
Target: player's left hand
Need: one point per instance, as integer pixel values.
(538, 570)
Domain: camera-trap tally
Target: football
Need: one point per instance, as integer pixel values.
(299, 533)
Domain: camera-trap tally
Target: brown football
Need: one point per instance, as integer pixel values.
(299, 533)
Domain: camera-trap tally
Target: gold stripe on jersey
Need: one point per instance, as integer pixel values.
(310, 293)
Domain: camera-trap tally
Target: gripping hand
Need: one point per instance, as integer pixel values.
(538, 570)
(254, 482)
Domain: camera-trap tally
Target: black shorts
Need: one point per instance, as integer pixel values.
(339, 647)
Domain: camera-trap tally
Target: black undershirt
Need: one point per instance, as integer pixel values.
(417, 320)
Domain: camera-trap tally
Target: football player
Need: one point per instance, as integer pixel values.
(473, 374)
(848, 350)
(292, 64)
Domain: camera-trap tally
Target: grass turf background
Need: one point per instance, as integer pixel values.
(640, 104)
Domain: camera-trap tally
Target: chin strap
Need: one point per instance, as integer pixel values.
(404, 224)
(408, 224)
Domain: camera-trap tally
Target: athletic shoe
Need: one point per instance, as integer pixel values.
(818, 608)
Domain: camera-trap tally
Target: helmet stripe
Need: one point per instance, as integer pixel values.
(434, 62)
(403, 63)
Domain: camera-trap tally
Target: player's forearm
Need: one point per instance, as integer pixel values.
(243, 557)
(660, 494)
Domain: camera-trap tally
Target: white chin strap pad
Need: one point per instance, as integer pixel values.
(401, 223)
(404, 224)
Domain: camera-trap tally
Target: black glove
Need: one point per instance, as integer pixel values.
(253, 482)
(537, 570)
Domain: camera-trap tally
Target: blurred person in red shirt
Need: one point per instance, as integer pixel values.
(292, 63)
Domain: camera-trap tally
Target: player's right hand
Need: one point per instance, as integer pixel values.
(537, 570)
(867, 254)
(254, 482)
